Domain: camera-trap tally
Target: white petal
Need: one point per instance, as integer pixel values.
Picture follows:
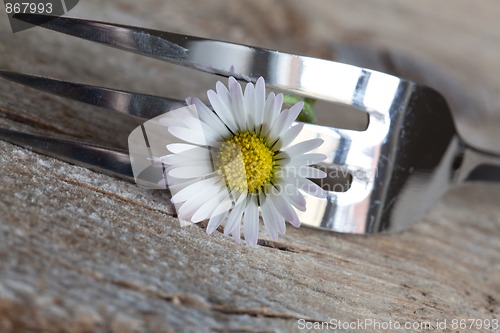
(188, 208)
(224, 205)
(215, 222)
(208, 208)
(251, 111)
(179, 184)
(209, 117)
(279, 220)
(195, 152)
(222, 110)
(289, 135)
(306, 159)
(297, 200)
(183, 118)
(182, 175)
(189, 135)
(260, 101)
(179, 147)
(270, 217)
(292, 194)
(240, 197)
(192, 189)
(191, 171)
(303, 172)
(285, 209)
(278, 104)
(234, 221)
(223, 93)
(212, 137)
(238, 106)
(251, 222)
(294, 113)
(303, 147)
(285, 120)
(268, 116)
(178, 159)
(315, 173)
(236, 233)
(311, 188)
(272, 112)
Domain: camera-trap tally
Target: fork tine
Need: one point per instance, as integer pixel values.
(301, 75)
(157, 44)
(137, 105)
(112, 162)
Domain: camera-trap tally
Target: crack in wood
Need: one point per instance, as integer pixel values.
(114, 195)
(260, 312)
(187, 300)
(278, 245)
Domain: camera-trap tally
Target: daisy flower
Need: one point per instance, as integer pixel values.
(235, 162)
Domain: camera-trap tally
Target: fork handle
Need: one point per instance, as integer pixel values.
(478, 165)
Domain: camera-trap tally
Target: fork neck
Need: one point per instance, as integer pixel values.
(476, 164)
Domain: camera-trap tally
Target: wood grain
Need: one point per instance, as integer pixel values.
(83, 252)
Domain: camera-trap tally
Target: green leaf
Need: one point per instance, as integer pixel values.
(307, 114)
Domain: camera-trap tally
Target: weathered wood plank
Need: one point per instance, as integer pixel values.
(80, 251)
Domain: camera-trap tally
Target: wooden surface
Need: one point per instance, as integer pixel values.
(83, 252)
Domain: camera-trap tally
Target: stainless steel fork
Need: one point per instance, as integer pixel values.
(407, 158)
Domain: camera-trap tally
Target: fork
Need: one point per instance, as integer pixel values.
(408, 157)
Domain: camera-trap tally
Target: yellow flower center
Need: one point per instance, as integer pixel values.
(245, 162)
